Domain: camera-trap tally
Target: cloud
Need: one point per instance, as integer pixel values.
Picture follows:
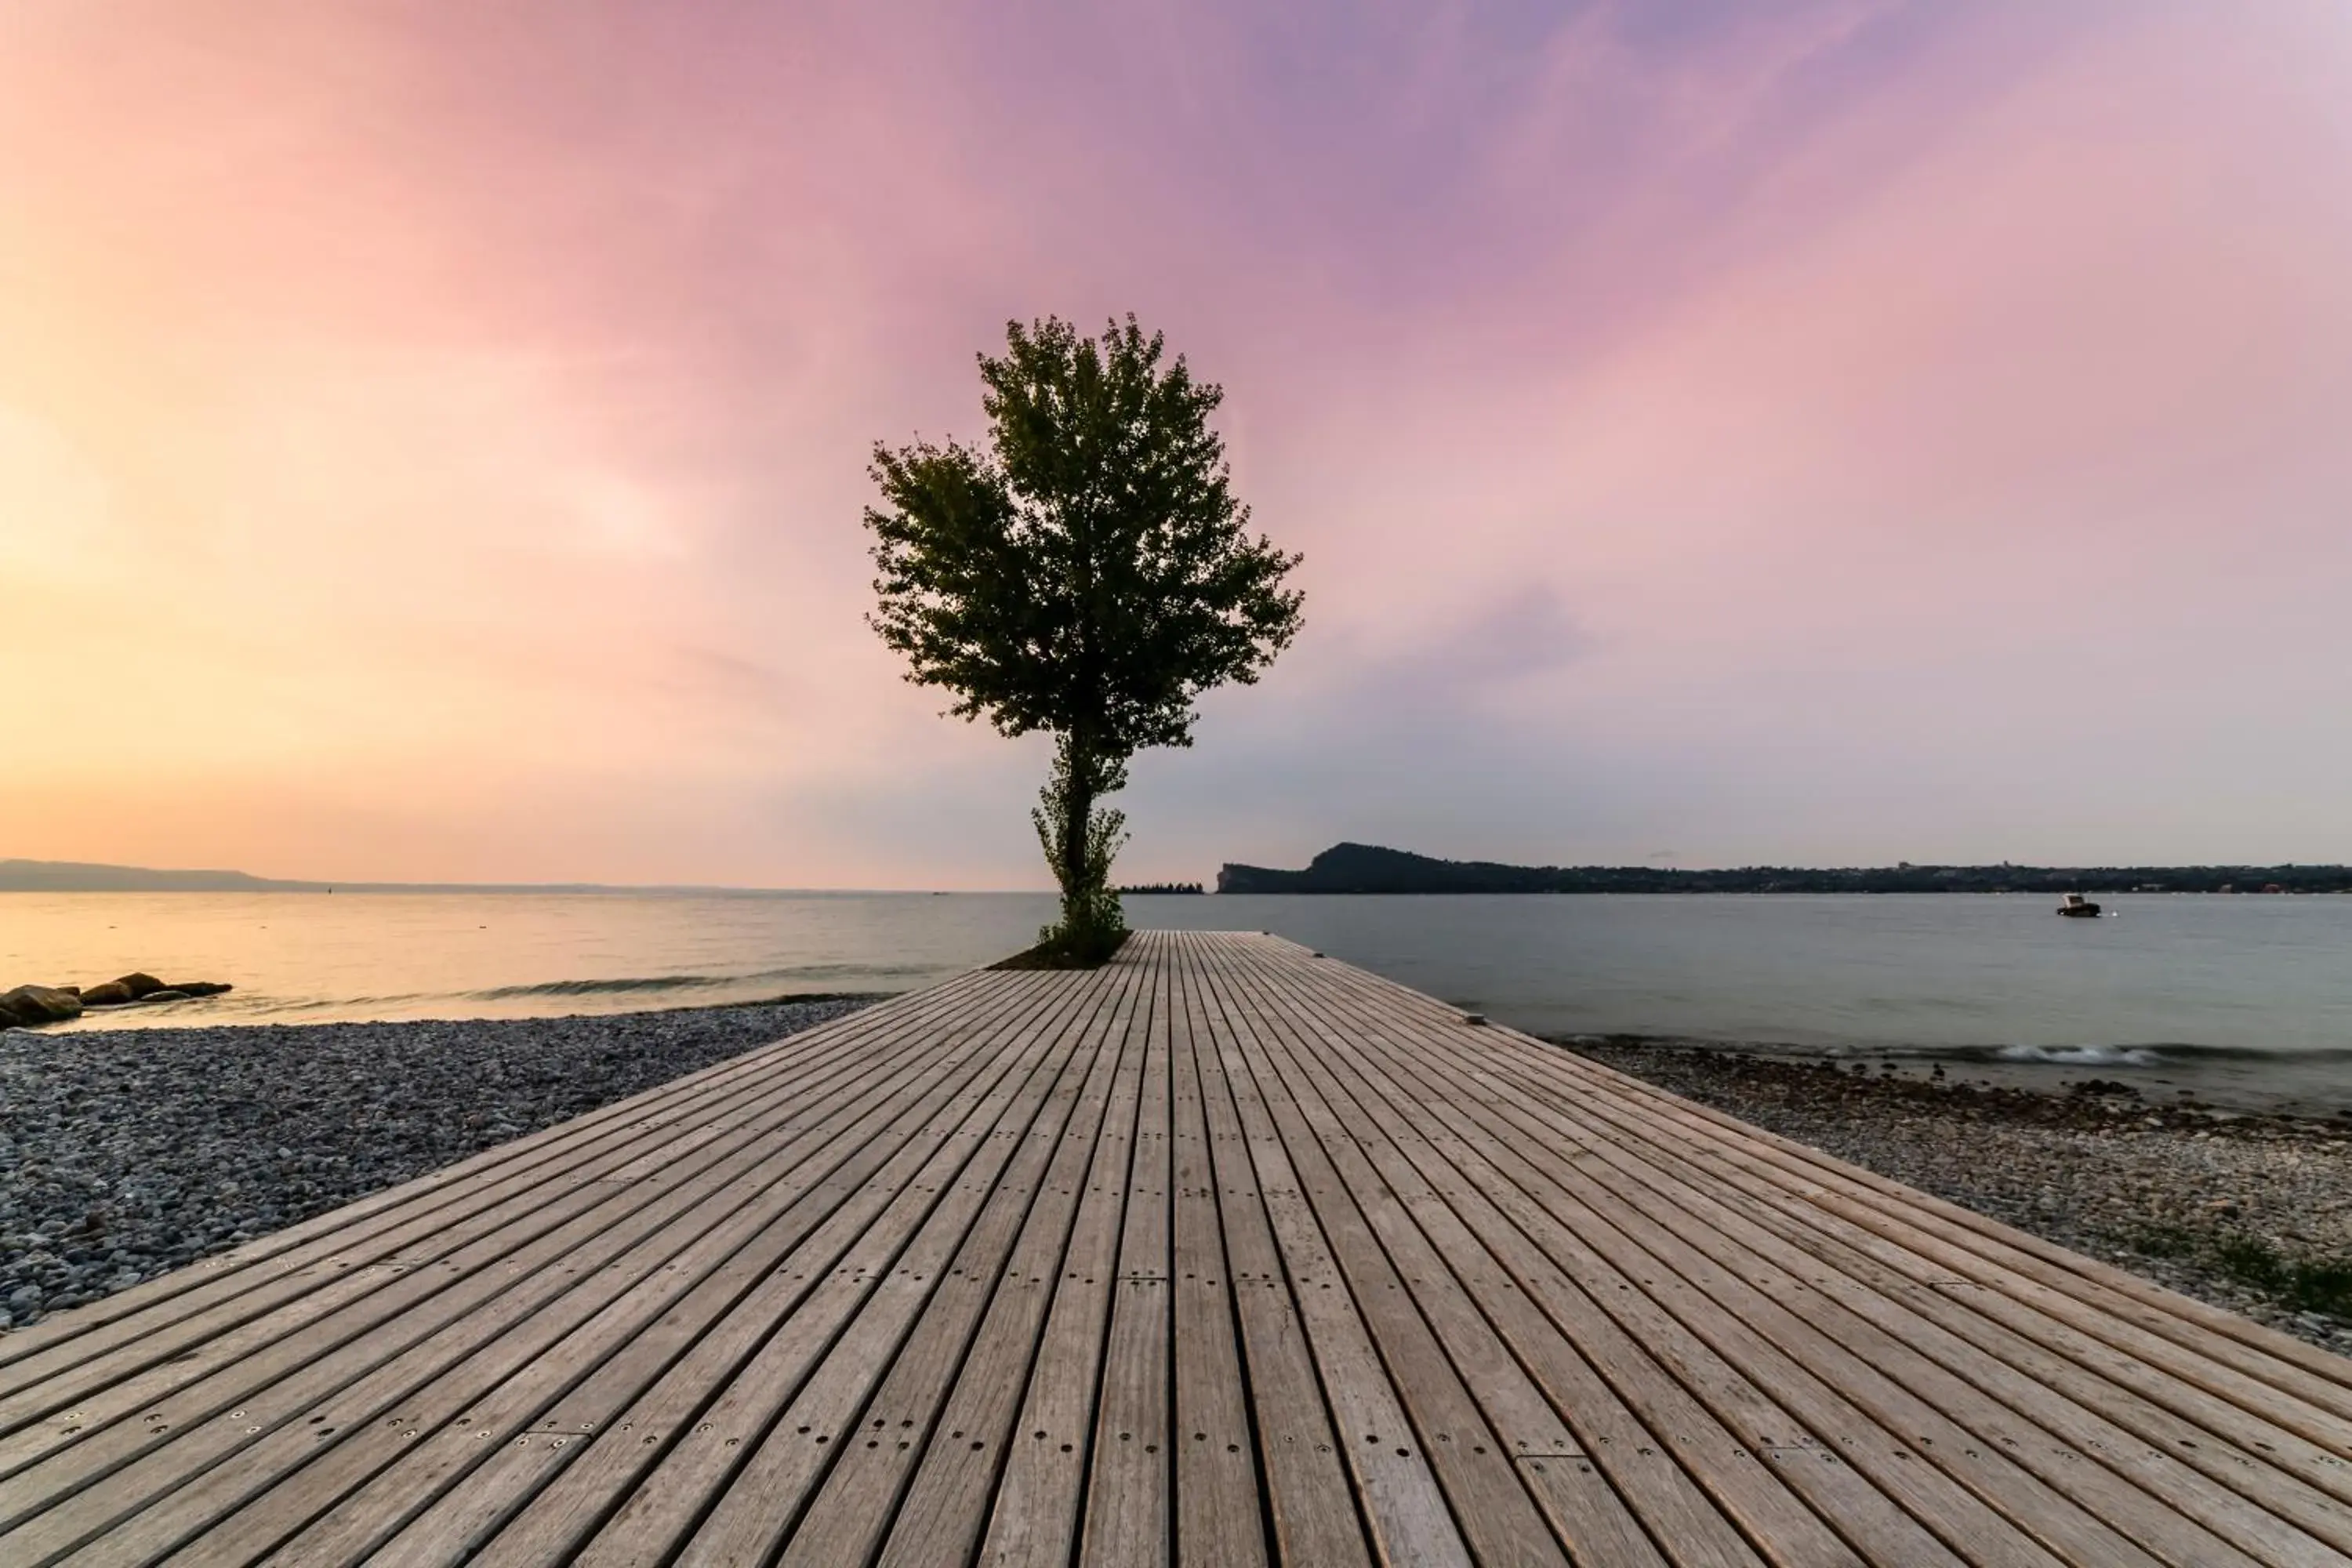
(432, 439)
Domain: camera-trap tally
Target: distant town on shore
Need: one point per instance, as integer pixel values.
(1369, 869)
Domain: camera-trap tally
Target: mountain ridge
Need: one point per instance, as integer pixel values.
(91, 877)
(20, 875)
(1349, 868)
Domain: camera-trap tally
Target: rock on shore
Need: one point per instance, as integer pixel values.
(30, 1006)
(2249, 1213)
(127, 1152)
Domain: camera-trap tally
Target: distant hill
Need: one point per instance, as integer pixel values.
(75, 876)
(1369, 869)
(78, 877)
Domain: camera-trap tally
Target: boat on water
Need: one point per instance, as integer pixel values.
(2078, 907)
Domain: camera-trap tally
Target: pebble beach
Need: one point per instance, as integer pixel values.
(2249, 1212)
(125, 1153)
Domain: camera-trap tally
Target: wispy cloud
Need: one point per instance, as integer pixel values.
(431, 438)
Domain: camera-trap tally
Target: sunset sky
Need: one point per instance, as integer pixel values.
(433, 435)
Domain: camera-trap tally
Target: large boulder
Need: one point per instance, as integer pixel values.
(201, 987)
(113, 993)
(40, 1005)
(139, 984)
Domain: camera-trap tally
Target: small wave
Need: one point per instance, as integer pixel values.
(2155, 1053)
(603, 987)
(2082, 1056)
(2148, 1054)
(2185, 1052)
(323, 1004)
(634, 984)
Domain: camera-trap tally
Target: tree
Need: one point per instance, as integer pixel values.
(1086, 572)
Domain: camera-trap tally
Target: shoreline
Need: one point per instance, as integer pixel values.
(204, 1015)
(2250, 1211)
(2227, 1080)
(126, 1152)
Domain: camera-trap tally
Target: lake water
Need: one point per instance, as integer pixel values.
(2246, 999)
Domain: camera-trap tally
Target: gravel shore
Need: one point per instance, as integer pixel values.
(2252, 1212)
(124, 1152)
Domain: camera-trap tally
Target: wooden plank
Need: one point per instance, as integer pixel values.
(2027, 1310)
(1657, 1170)
(949, 1492)
(2133, 1484)
(148, 1298)
(1683, 1474)
(385, 1242)
(1404, 1509)
(382, 1324)
(426, 1317)
(134, 1316)
(498, 1409)
(2303, 1370)
(1127, 1521)
(2195, 1546)
(1447, 1434)
(1219, 1515)
(1431, 1009)
(1834, 1390)
(1221, 1187)
(1474, 1306)
(853, 1497)
(225, 1349)
(1034, 1518)
(1361, 1151)
(1715, 1422)
(1310, 1503)
(709, 1410)
(889, 1364)
(2100, 1417)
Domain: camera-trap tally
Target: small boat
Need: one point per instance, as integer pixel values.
(2078, 907)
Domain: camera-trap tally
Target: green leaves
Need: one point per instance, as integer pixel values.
(1088, 572)
(1080, 841)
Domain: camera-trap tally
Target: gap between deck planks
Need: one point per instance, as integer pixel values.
(1226, 1253)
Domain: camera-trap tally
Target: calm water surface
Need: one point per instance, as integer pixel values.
(2250, 995)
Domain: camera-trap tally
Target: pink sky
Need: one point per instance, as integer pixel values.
(432, 438)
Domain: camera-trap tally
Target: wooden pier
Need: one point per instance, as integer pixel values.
(1224, 1254)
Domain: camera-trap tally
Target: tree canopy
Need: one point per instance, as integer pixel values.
(1087, 570)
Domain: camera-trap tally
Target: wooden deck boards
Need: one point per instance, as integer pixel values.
(1224, 1254)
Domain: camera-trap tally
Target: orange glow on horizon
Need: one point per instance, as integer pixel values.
(431, 445)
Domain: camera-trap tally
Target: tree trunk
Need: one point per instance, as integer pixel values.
(1077, 809)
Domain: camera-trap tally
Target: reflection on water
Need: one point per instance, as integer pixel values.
(2223, 994)
(315, 957)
